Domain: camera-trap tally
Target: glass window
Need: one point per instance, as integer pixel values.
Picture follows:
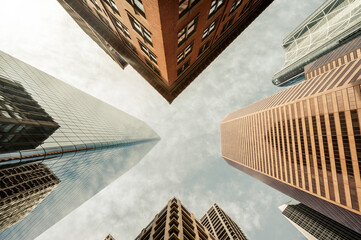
(121, 26)
(209, 29)
(225, 26)
(95, 4)
(6, 114)
(113, 6)
(7, 128)
(185, 6)
(148, 52)
(187, 31)
(215, 6)
(183, 67)
(203, 48)
(141, 30)
(235, 5)
(184, 53)
(152, 66)
(137, 6)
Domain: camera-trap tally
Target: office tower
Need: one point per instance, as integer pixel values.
(305, 141)
(175, 222)
(81, 143)
(168, 42)
(314, 225)
(333, 24)
(109, 237)
(221, 225)
(22, 188)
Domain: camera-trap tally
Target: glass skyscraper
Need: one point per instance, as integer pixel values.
(58, 147)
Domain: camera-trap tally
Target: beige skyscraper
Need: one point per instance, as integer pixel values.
(175, 222)
(221, 225)
(305, 141)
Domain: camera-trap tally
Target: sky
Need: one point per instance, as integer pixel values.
(187, 162)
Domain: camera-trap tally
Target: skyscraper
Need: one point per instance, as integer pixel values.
(333, 24)
(175, 222)
(314, 225)
(109, 237)
(305, 141)
(168, 42)
(63, 138)
(221, 225)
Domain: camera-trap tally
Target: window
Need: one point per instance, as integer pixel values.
(225, 26)
(137, 6)
(203, 48)
(235, 5)
(121, 26)
(112, 5)
(154, 69)
(95, 4)
(184, 53)
(182, 68)
(131, 46)
(185, 6)
(85, 3)
(187, 31)
(248, 4)
(215, 6)
(148, 52)
(104, 20)
(209, 29)
(141, 30)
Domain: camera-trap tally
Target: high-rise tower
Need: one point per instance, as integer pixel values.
(333, 24)
(168, 42)
(314, 225)
(175, 222)
(305, 141)
(59, 136)
(221, 225)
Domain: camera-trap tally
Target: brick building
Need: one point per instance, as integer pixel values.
(168, 42)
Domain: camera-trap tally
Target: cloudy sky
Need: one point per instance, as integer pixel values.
(187, 162)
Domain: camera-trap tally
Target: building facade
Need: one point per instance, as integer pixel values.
(109, 237)
(333, 24)
(168, 42)
(314, 225)
(175, 222)
(221, 225)
(305, 141)
(78, 144)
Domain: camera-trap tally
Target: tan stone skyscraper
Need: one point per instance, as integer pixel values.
(221, 225)
(175, 222)
(305, 141)
(168, 42)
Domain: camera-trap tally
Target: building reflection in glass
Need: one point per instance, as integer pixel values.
(84, 143)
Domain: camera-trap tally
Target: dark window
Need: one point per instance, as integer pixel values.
(185, 6)
(112, 5)
(248, 4)
(95, 4)
(235, 5)
(148, 52)
(203, 48)
(182, 68)
(225, 26)
(187, 31)
(121, 26)
(104, 20)
(141, 30)
(215, 6)
(131, 46)
(209, 29)
(152, 66)
(184, 53)
(137, 6)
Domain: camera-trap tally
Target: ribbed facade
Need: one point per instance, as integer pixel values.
(306, 137)
(83, 142)
(221, 225)
(175, 222)
(316, 226)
